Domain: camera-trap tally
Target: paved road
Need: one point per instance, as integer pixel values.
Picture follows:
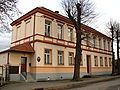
(108, 85)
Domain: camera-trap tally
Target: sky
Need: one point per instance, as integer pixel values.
(106, 9)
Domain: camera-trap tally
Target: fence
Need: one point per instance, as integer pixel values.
(1, 75)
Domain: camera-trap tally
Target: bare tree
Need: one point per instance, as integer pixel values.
(115, 30)
(8, 11)
(78, 11)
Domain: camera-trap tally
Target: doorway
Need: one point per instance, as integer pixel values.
(88, 64)
(24, 67)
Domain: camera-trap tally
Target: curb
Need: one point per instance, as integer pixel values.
(68, 86)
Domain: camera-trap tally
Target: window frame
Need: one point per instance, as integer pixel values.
(58, 57)
(72, 63)
(48, 32)
(70, 34)
(50, 56)
(96, 61)
(101, 64)
(59, 31)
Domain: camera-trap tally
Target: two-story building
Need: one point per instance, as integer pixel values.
(43, 47)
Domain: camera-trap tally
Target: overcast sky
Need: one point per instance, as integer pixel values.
(105, 8)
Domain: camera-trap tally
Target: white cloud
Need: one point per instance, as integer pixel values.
(5, 39)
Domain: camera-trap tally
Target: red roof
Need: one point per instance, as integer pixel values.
(26, 47)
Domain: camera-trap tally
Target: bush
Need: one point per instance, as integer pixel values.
(87, 76)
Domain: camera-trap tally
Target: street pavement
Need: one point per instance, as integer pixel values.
(88, 84)
(108, 85)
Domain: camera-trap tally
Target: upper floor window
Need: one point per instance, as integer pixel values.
(60, 31)
(71, 58)
(70, 34)
(94, 41)
(108, 46)
(87, 40)
(101, 61)
(60, 57)
(104, 42)
(95, 61)
(47, 28)
(100, 44)
(47, 56)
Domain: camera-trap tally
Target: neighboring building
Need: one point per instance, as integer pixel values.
(43, 47)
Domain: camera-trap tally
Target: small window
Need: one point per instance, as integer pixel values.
(94, 41)
(95, 61)
(47, 56)
(108, 46)
(81, 63)
(60, 57)
(101, 61)
(104, 42)
(100, 44)
(110, 62)
(70, 34)
(106, 63)
(71, 58)
(60, 31)
(47, 28)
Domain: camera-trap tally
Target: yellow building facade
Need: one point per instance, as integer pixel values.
(43, 47)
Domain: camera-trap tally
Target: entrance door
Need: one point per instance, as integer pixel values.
(23, 64)
(88, 64)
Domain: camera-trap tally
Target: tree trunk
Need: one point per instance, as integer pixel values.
(113, 58)
(78, 54)
(118, 58)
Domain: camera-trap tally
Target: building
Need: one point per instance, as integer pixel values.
(43, 47)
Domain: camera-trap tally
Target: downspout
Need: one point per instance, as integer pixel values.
(34, 32)
(7, 68)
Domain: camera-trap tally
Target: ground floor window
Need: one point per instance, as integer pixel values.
(106, 63)
(71, 58)
(47, 56)
(81, 63)
(101, 61)
(95, 61)
(60, 57)
(110, 62)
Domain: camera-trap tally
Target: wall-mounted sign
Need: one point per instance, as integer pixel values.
(38, 59)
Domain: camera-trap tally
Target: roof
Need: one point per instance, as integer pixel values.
(26, 47)
(55, 15)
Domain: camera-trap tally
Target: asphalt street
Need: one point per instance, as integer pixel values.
(108, 85)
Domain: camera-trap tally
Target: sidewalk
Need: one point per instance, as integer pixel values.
(56, 85)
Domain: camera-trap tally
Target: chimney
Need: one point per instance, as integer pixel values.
(56, 11)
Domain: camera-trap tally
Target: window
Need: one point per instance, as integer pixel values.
(95, 61)
(108, 46)
(81, 63)
(110, 62)
(47, 28)
(106, 63)
(47, 56)
(60, 57)
(94, 41)
(70, 34)
(101, 61)
(104, 42)
(100, 44)
(71, 58)
(60, 32)
(87, 40)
